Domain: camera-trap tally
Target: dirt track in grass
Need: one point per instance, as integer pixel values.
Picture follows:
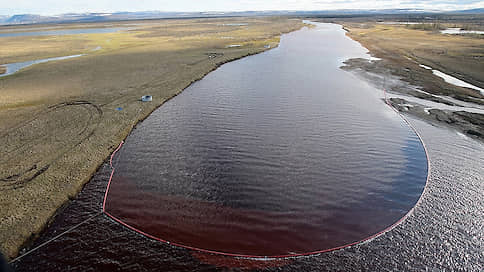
(60, 120)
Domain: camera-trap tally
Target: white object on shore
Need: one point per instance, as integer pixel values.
(146, 98)
(233, 45)
(427, 110)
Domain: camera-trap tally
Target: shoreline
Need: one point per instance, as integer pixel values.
(385, 74)
(32, 240)
(291, 255)
(374, 236)
(12, 252)
(123, 134)
(408, 240)
(444, 216)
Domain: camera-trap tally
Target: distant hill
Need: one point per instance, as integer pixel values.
(472, 11)
(26, 18)
(92, 17)
(99, 17)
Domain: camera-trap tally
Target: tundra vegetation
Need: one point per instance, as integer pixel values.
(403, 43)
(60, 120)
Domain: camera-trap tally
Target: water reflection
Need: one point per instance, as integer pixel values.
(64, 32)
(12, 68)
(278, 153)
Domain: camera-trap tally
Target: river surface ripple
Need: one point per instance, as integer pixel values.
(445, 232)
(276, 154)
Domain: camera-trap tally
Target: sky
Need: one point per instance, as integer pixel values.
(53, 7)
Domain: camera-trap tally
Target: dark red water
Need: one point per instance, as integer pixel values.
(443, 234)
(282, 153)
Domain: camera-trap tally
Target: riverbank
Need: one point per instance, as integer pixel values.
(443, 233)
(402, 69)
(226, 106)
(61, 120)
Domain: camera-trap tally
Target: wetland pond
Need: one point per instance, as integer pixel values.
(60, 32)
(280, 153)
(11, 68)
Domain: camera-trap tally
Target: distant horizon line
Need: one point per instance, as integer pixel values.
(242, 11)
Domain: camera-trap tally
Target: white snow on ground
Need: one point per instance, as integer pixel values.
(425, 66)
(456, 81)
(434, 105)
(456, 30)
(452, 80)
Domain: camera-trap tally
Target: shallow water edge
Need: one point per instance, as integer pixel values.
(27, 243)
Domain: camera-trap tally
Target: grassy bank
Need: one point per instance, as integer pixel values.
(60, 120)
(402, 49)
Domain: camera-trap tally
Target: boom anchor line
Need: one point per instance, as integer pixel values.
(54, 238)
(284, 256)
(75, 226)
(245, 256)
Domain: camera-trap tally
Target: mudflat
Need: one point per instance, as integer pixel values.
(406, 53)
(60, 120)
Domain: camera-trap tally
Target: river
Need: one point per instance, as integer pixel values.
(278, 153)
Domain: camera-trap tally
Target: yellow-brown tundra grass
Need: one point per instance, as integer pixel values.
(58, 120)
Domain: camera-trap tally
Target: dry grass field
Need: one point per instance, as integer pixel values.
(60, 120)
(405, 47)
